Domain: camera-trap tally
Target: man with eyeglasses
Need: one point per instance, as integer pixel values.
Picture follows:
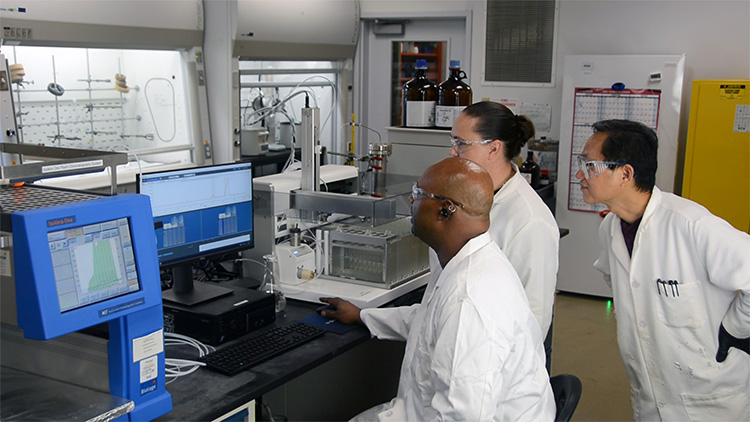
(680, 278)
(473, 347)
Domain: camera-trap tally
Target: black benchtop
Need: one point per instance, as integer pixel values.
(206, 395)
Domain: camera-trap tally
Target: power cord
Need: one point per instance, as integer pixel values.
(175, 368)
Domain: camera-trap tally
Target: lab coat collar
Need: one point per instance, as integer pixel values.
(510, 185)
(619, 249)
(652, 205)
(469, 248)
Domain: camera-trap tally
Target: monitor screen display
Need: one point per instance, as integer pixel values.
(201, 211)
(93, 263)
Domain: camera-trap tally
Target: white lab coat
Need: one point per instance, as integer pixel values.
(668, 334)
(526, 231)
(474, 350)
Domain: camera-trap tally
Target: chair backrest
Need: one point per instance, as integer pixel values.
(567, 390)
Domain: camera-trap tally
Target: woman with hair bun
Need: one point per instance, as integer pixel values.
(491, 135)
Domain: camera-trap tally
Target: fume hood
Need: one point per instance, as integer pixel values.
(110, 76)
(296, 29)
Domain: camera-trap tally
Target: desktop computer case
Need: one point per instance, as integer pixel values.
(220, 320)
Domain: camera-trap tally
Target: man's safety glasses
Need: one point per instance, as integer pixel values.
(417, 192)
(593, 168)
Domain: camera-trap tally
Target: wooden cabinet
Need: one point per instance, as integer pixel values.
(404, 59)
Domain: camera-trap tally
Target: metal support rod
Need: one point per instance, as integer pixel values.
(57, 106)
(75, 123)
(122, 109)
(279, 84)
(91, 98)
(314, 71)
(310, 141)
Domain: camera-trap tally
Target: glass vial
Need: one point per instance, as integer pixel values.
(269, 281)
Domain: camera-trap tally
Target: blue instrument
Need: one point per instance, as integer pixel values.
(84, 263)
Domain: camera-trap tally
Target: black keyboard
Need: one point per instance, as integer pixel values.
(245, 353)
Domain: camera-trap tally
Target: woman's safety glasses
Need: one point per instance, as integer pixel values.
(460, 144)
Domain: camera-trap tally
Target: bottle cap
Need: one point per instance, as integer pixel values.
(421, 64)
(455, 64)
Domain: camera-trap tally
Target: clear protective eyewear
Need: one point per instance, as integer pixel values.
(593, 168)
(417, 192)
(459, 144)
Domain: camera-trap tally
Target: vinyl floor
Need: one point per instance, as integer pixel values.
(585, 344)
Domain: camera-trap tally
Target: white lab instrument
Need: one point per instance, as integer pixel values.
(254, 141)
(359, 252)
(296, 263)
(383, 256)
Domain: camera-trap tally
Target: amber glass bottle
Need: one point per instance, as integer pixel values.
(453, 96)
(419, 96)
(530, 170)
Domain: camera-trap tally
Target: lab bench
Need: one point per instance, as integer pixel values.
(28, 397)
(352, 386)
(208, 395)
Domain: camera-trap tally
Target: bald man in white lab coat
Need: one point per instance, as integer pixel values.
(473, 347)
(680, 277)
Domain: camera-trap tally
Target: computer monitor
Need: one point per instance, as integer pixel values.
(199, 212)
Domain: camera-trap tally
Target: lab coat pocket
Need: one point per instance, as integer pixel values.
(727, 405)
(683, 308)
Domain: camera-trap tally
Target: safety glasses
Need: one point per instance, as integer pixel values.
(417, 192)
(460, 144)
(593, 168)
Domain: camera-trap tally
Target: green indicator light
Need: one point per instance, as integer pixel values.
(609, 304)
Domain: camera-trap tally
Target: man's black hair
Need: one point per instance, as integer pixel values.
(632, 143)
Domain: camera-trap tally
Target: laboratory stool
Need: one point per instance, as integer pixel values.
(567, 390)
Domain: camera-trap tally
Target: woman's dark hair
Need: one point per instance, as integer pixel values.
(633, 143)
(496, 121)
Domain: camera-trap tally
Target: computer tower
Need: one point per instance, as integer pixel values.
(220, 320)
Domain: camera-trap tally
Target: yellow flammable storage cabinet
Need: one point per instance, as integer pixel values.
(717, 154)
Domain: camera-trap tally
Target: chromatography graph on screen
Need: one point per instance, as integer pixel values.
(106, 270)
(200, 192)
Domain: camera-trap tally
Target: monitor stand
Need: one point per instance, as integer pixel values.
(187, 293)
